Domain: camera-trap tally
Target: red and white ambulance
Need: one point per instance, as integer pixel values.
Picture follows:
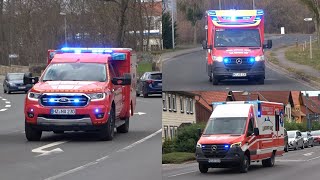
(235, 45)
(83, 89)
(239, 133)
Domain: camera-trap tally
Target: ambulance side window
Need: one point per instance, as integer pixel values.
(250, 127)
(113, 71)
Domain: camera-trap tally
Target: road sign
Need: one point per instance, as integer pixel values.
(13, 55)
(307, 19)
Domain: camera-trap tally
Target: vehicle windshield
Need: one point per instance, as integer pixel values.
(315, 133)
(76, 72)
(156, 76)
(226, 125)
(291, 134)
(12, 77)
(237, 38)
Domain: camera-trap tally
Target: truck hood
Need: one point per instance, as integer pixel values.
(238, 52)
(220, 139)
(68, 86)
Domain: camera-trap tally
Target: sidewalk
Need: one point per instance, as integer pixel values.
(284, 62)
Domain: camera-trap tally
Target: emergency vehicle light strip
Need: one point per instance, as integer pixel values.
(92, 50)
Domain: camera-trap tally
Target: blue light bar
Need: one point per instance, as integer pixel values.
(260, 12)
(118, 56)
(51, 100)
(218, 103)
(76, 100)
(87, 50)
(212, 13)
(252, 60)
(226, 60)
(226, 146)
(258, 18)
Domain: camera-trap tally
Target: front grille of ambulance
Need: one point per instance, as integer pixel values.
(243, 63)
(220, 151)
(65, 100)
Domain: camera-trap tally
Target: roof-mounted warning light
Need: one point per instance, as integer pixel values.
(260, 12)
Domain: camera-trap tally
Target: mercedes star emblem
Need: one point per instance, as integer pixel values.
(213, 148)
(239, 61)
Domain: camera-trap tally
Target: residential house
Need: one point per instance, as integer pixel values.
(310, 108)
(178, 109)
(204, 100)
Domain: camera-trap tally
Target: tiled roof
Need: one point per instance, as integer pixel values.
(208, 97)
(245, 96)
(275, 96)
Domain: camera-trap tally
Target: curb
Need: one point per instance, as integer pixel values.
(180, 53)
(315, 85)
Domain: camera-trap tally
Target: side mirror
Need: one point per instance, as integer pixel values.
(268, 45)
(30, 80)
(199, 133)
(125, 80)
(256, 131)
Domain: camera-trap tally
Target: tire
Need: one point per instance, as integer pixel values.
(295, 148)
(269, 162)
(286, 148)
(107, 133)
(4, 91)
(31, 133)
(203, 168)
(244, 167)
(302, 147)
(312, 145)
(124, 128)
(260, 81)
(138, 94)
(145, 94)
(215, 81)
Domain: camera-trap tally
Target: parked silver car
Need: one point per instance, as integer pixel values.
(307, 139)
(295, 140)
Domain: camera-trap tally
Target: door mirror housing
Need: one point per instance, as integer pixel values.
(30, 80)
(256, 131)
(205, 45)
(268, 45)
(125, 80)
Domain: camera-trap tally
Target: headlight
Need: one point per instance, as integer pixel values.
(34, 96)
(217, 58)
(97, 96)
(238, 144)
(199, 145)
(12, 84)
(259, 58)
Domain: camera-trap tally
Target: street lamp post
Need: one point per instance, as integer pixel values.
(253, 5)
(65, 27)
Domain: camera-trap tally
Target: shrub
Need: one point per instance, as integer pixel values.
(167, 146)
(187, 138)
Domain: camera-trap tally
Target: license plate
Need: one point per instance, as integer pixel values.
(214, 160)
(239, 74)
(159, 84)
(21, 87)
(63, 111)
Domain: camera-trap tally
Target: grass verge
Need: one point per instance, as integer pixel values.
(271, 58)
(296, 54)
(144, 67)
(177, 157)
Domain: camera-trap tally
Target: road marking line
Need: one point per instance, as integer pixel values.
(47, 152)
(8, 106)
(289, 160)
(1, 110)
(182, 173)
(7, 102)
(4, 99)
(100, 159)
(313, 158)
(140, 113)
(308, 154)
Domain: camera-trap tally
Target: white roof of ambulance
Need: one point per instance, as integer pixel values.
(231, 110)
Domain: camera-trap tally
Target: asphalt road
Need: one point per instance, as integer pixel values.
(136, 155)
(188, 73)
(294, 165)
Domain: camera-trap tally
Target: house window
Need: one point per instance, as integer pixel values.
(191, 106)
(171, 132)
(164, 102)
(174, 103)
(181, 104)
(187, 105)
(165, 131)
(169, 102)
(175, 130)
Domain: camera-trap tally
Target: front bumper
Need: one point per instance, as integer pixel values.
(85, 119)
(19, 88)
(232, 158)
(221, 71)
(292, 145)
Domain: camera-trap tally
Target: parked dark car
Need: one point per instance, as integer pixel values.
(316, 137)
(286, 145)
(295, 140)
(149, 83)
(13, 82)
(307, 139)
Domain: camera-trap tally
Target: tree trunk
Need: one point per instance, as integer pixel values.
(195, 33)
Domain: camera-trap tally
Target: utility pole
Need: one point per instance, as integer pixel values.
(65, 27)
(172, 19)
(253, 5)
